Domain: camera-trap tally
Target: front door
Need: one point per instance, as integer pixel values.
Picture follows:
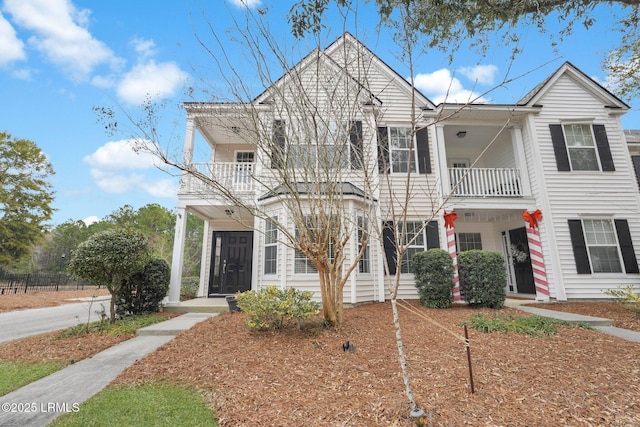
(231, 258)
(521, 259)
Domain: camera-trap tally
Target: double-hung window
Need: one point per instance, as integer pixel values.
(364, 265)
(323, 145)
(271, 246)
(302, 264)
(414, 242)
(602, 246)
(402, 151)
(581, 147)
(469, 241)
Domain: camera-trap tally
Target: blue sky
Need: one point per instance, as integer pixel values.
(61, 58)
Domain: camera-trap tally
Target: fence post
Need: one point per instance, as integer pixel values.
(26, 283)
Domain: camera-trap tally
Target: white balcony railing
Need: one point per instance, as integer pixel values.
(485, 182)
(234, 176)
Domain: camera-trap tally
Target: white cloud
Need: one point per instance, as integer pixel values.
(12, 47)
(483, 74)
(245, 3)
(116, 169)
(150, 80)
(90, 220)
(60, 33)
(145, 48)
(441, 86)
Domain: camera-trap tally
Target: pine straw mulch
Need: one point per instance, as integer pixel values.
(577, 377)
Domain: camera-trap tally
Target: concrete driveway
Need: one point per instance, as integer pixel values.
(23, 323)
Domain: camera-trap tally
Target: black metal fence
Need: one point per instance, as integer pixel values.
(24, 283)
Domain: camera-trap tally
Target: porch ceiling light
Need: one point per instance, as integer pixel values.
(461, 134)
(229, 212)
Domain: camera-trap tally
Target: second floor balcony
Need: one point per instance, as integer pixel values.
(236, 177)
(485, 182)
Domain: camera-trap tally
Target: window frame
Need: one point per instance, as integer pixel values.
(414, 247)
(411, 149)
(270, 242)
(461, 239)
(615, 244)
(364, 264)
(574, 148)
(302, 152)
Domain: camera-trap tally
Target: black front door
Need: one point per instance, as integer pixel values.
(231, 258)
(522, 267)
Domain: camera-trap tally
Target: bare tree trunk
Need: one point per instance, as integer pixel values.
(401, 356)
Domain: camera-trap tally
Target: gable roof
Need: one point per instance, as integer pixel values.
(327, 55)
(589, 84)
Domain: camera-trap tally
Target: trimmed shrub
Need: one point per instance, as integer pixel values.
(434, 277)
(189, 288)
(274, 308)
(143, 291)
(483, 278)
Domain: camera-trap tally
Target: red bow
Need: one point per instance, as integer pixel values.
(449, 217)
(532, 218)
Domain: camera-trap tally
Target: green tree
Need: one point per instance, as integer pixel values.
(448, 24)
(25, 196)
(110, 257)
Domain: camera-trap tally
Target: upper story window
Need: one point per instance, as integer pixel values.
(337, 144)
(397, 154)
(402, 151)
(581, 147)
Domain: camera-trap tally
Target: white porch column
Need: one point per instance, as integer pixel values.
(203, 287)
(178, 257)
(521, 161)
(189, 141)
(441, 161)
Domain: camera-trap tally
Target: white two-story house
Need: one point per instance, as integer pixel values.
(560, 150)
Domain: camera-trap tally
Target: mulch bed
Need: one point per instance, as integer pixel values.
(577, 377)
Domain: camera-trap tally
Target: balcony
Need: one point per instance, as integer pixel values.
(485, 182)
(236, 177)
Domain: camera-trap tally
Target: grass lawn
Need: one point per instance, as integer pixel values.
(14, 375)
(154, 404)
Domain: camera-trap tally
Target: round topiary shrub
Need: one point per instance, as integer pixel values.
(433, 271)
(483, 279)
(143, 291)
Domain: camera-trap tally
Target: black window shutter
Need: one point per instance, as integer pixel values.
(389, 244)
(602, 142)
(626, 246)
(636, 167)
(277, 144)
(559, 148)
(433, 236)
(579, 247)
(383, 150)
(422, 144)
(355, 138)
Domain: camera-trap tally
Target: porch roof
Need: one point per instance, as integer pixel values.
(306, 188)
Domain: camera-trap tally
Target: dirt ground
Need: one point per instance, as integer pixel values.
(578, 377)
(45, 299)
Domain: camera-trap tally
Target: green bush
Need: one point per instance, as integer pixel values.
(434, 277)
(483, 278)
(143, 291)
(274, 308)
(628, 297)
(189, 288)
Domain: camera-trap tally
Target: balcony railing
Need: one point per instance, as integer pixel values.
(234, 176)
(485, 182)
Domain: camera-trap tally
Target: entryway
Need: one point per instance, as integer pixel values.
(520, 273)
(231, 262)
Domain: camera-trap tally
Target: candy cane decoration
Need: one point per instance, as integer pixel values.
(449, 218)
(535, 253)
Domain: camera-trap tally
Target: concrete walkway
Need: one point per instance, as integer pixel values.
(598, 323)
(40, 402)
